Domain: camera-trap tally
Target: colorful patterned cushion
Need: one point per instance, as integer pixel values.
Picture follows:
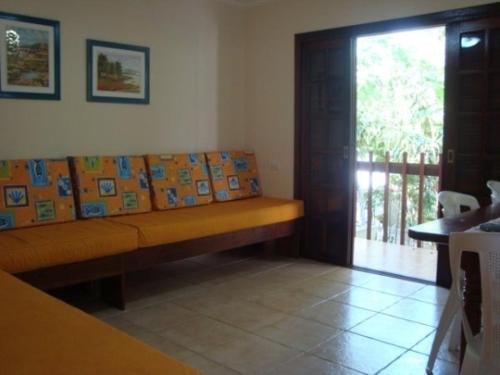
(35, 192)
(110, 185)
(179, 180)
(234, 175)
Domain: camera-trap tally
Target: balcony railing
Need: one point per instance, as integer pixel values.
(387, 169)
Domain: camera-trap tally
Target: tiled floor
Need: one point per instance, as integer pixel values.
(419, 263)
(232, 313)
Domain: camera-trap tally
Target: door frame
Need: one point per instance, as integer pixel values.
(443, 18)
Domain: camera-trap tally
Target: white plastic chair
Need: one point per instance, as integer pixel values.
(495, 190)
(453, 201)
(451, 314)
(483, 350)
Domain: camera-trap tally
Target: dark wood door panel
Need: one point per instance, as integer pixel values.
(326, 139)
(472, 110)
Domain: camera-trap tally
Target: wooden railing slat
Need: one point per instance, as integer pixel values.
(404, 193)
(421, 178)
(386, 196)
(370, 198)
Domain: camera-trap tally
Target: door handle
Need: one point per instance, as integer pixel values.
(451, 156)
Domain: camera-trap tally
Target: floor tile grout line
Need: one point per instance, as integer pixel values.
(359, 307)
(245, 331)
(390, 363)
(342, 331)
(430, 303)
(437, 358)
(406, 350)
(408, 320)
(311, 352)
(157, 333)
(381, 341)
(340, 364)
(322, 359)
(391, 294)
(301, 280)
(412, 349)
(223, 365)
(337, 363)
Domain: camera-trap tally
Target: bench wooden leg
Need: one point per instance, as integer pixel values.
(113, 291)
(287, 246)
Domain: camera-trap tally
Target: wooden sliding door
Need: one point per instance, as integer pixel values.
(472, 124)
(325, 119)
(325, 142)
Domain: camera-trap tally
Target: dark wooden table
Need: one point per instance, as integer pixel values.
(438, 231)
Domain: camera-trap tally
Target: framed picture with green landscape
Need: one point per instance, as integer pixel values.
(117, 73)
(29, 57)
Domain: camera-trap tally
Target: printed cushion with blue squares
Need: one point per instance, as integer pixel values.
(111, 185)
(179, 180)
(234, 175)
(35, 192)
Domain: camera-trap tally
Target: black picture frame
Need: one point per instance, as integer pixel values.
(110, 96)
(24, 91)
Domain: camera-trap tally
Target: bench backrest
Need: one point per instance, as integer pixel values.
(179, 180)
(35, 192)
(110, 185)
(234, 175)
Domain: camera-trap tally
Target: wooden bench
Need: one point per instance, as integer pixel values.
(111, 270)
(132, 212)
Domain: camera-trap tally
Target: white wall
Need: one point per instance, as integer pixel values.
(270, 68)
(197, 81)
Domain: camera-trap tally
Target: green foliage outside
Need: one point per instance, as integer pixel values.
(400, 93)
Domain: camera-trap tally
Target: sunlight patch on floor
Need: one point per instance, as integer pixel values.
(408, 261)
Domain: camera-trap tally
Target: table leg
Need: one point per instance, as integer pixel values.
(472, 295)
(443, 273)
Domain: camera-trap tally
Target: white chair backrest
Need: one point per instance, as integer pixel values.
(495, 190)
(452, 201)
(487, 246)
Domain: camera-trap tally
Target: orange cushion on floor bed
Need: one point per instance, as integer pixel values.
(163, 227)
(27, 249)
(44, 336)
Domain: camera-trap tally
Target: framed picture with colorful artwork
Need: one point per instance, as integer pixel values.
(117, 73)
(29, 57)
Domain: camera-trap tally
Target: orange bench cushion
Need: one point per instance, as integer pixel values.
(50, 245)
(35, 192)
(41, 335)
(111, 185)
(163, 227)
(234, 175)
(179, 180)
